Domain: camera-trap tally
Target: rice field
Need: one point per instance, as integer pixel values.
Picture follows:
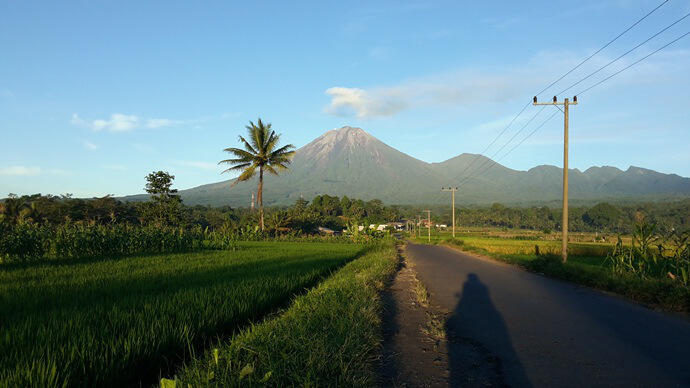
(330, 336)
(516, 242)
(130, 321)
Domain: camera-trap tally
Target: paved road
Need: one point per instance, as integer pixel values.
(540, 332)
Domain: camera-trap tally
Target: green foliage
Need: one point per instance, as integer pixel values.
(165, 207)
(159, 185)
(652, 255)
(261, 153)
(594, 265)
(602, 215)
(29, 242)
(127, 322)
(328, 337)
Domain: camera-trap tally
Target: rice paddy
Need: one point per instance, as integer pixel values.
(130, 321)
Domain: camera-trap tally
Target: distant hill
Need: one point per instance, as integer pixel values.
(349, 161)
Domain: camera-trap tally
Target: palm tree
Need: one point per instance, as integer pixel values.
(260, 152)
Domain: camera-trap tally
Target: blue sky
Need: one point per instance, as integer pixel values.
(96, 94)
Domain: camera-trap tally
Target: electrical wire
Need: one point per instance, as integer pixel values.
(635, 63)
(470, 176)
(508, 142)
(622, 55)
(602, 48)
(582, 92)
(493, 163)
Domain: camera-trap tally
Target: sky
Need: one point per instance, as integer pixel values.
(94, 95)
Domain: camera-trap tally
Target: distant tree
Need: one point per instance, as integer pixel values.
(165, 207)
(159, 185)
(261, 152)
(602, 215)
(12, 209)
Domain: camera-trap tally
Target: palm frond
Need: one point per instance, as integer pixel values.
(237, 167)
(247, 146)
(240, 153)
(245, 175)
(272, 141)
(284, 150)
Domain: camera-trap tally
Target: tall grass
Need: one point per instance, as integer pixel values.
(128, 321)
(328, 337)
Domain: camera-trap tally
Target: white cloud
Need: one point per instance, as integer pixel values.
(143, 147)
(117, 167)
(159, 123)
(20, 171)
(119, 122)
(89, 146)
(364, 104)
(201, 165)
(471, 87)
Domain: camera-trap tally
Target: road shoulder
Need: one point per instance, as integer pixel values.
(414, 350)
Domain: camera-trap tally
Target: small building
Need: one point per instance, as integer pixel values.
(324, 230)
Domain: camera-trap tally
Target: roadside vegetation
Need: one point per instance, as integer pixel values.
(651, 267)
(129, 321)
(327, 337)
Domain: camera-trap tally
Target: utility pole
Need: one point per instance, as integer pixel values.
(428, 223)
(566, 103)
(452, 195)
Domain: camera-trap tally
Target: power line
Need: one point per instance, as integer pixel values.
(602, 47)
(494, 140)
(636, 62)
(622, 55)
(476, 157)
(505, 144)
(493, 163)
(530, 134)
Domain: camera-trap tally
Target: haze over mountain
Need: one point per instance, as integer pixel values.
(349, 161)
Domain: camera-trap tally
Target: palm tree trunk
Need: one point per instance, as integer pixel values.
(260, 195)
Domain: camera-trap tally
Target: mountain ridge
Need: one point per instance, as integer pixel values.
(349, 161)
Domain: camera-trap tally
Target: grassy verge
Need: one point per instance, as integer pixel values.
(328, 337)
(127, 321)
(591, 271)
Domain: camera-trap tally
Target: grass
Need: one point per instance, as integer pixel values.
(327, 337)
(589, 269)
(128, 321)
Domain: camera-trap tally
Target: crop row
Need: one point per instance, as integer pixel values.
(27, 242)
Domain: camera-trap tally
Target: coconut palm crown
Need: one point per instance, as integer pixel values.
(261, 153)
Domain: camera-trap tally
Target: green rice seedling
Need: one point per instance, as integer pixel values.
(328, 337)
(128, 321)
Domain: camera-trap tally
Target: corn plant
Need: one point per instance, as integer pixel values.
(652, 255)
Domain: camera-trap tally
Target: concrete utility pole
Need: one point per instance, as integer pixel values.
(452, 190)
(428, 223)
(565, 104)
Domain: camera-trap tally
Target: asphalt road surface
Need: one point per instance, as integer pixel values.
(523, 329)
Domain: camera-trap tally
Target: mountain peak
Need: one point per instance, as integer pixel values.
(350, 133)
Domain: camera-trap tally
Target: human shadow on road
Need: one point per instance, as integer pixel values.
(480, 351)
